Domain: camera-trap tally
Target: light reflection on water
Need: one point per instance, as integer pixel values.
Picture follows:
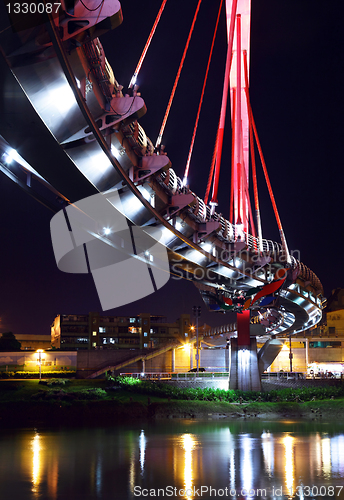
(175, 460)
(36, 463)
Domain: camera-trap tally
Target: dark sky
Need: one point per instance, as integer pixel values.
(296, 82)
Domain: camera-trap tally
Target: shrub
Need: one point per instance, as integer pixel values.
(208, 394)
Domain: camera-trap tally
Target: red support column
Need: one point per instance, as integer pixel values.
(243, 326)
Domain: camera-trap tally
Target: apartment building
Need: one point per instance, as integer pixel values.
(93, 331)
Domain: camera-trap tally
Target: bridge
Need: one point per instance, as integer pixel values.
(60, 94)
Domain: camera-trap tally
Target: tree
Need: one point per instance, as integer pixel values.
(8, 342)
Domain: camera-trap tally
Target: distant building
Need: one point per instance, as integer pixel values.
(332, 324)
(92, 331)
(32, 342)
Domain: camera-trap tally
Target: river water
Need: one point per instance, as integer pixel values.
(175, 459)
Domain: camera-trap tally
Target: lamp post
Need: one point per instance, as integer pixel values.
(40, 351)
(197, 312)
(290, 355)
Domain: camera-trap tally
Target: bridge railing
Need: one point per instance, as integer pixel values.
(149, 376)
(175, 376)
(283, 376)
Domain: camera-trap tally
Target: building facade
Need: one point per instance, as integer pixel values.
(92, 331)
(32, 342)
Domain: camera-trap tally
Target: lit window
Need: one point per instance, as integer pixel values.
(145, 345)
(94, 333)
(94, 344)
(102, 329)
(145, 334)
(186, 334)
(132, 320)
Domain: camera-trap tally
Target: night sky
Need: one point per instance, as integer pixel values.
(296, 86)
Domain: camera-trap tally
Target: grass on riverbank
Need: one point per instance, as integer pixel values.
(93, 402)
(32, 390)
(129, 389)
(296, 394)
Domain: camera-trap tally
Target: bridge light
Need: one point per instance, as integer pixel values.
(11, 155)
(62, 98)
(100, 162)
(133, 80)
(107, 231)
(145, 193)
(206, 246)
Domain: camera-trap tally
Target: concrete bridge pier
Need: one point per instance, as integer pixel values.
(244, 373)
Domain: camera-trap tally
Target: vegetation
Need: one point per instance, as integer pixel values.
(61, 401)
(208, 394)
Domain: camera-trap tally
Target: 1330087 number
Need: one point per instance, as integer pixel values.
(318, 491)
(33, 8)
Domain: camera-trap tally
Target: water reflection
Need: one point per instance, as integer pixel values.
(142, 449)
(326, 456)
(288, 442)
(188, 445)
(268, 453)
(246, 464)
(36, 461)
(183, 460)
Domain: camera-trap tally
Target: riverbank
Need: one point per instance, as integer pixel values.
(91, 403)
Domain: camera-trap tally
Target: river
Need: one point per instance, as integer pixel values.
(186, 459)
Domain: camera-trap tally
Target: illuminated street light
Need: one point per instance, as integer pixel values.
(290, 355)
(40, 351)
(197, 312)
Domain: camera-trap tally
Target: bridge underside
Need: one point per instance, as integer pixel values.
(57, 105)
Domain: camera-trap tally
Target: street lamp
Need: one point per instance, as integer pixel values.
(290, 355)
(197, 312)
(40, 351)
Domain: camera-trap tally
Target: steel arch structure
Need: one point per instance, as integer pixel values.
(62, 96)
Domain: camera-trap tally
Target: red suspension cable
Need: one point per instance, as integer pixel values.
(224, 105)
(231, 203)
(240, 216)
(139, 64)
(158, 142)
(253, 159)
(266, 175)
(246, 193)
(211, 172)
(186, 173)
